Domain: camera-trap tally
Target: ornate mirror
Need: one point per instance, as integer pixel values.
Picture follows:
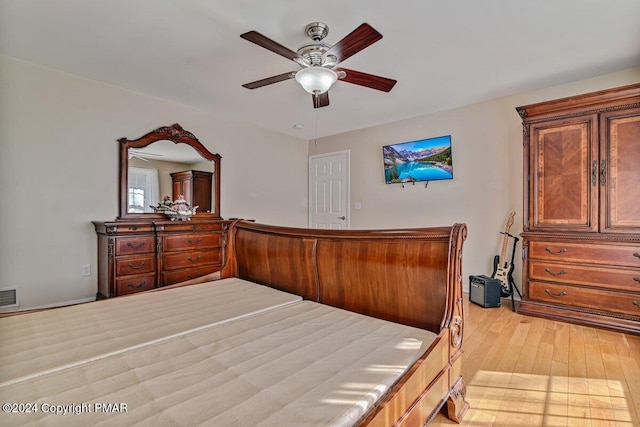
(167, 162)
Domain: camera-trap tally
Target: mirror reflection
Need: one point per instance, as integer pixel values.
(167, 170)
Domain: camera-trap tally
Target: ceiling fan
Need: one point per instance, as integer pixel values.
(142, 155)
(318, 61)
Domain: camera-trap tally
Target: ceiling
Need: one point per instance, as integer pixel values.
(444, 54)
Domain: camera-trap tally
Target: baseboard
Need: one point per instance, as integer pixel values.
(44, 307)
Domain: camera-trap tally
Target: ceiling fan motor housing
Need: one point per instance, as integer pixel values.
(313, 52)
(317, 30)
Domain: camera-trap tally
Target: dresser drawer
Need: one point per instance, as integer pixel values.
(177, 276)
(622, 255)
(623, 279)
(571, 296)
(135, 245)
(137, 283)
(135, 265)
(122, 228)
(176, 260)
(192, 241)
(133, 228)
(190, 226)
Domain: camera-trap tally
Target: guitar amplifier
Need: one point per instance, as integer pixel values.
(484, 291)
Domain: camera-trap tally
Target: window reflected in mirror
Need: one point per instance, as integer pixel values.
(144, 189)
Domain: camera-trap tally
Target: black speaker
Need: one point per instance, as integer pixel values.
(484, 291)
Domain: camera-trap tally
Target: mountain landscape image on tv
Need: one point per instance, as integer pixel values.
(423, 160)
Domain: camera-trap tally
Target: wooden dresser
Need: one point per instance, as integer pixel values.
(581, 235)
(135, 256)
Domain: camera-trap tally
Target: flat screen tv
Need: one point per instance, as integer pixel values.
(415, 161)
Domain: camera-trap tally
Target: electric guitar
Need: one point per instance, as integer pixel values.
(502, 268)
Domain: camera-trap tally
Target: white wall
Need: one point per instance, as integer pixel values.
(487, 168)
(59, 171)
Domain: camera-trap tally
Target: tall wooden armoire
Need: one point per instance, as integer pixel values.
(196, 188)
(581, 235)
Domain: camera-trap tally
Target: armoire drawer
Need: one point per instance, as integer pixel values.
(135, 265)
(623, 279)
(137, 283)
(572, 296)
(591, 253)
(177, 260)
(191, 241)
(135, 245)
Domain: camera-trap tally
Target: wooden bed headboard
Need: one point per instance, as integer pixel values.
(409, 276)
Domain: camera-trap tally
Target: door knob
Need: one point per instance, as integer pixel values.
(342, 217)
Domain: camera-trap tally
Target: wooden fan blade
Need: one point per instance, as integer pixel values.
(321, 100)
(368, 80)
(363, 36)
(267, 43)
(270, 80)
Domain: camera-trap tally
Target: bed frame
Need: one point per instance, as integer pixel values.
(410, 276)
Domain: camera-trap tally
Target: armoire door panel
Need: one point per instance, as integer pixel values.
(620, 173)
(563, 196)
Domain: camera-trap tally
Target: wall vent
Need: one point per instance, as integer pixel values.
(8, 297)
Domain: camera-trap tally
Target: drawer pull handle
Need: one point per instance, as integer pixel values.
(138, 286)
(133, 228)
(563, 271)
(138, 246)
(637, 255)
(637, 279)
(551, 251)
(636, 304)
(195, 227)
(135, 267)
(196, 242)
(560, 295)
(194, 260)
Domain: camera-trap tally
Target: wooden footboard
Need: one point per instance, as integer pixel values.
(408, 276)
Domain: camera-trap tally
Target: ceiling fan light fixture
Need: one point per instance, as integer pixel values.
(316, 80)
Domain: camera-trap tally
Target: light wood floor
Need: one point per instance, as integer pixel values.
(526, 371)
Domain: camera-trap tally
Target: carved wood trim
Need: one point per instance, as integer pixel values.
(590, 103)
(175, 131)
(586, 311)
(609, 237)
(583, 113)
(457, 405)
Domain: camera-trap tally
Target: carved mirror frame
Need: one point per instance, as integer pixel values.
(177, 135)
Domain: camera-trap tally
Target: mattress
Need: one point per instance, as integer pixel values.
(295, 364)
(37, 342)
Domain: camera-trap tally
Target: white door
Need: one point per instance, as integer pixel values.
(329, 190)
